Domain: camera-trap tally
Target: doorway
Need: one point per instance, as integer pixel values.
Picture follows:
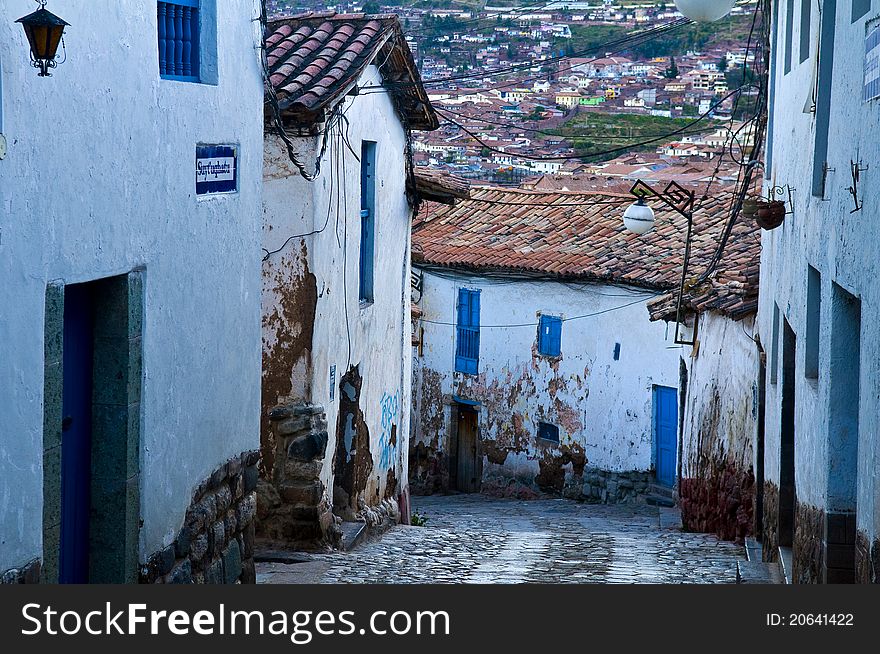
(76, 432)
(465, 474)
(843, 436)
(91, 438)
(786, 442)
(759, 444)
(665, 434)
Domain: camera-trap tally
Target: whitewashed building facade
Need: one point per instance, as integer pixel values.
(129, 294)
(537, 368)
(818, 297)
(720, 465)
(336, 314)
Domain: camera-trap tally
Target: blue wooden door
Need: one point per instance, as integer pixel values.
(76, 434)
(665, 433)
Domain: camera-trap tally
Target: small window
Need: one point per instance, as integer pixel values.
(823, 100)
(550, 336)
(789, 34)
(467, 347)
(814, 311)
(774, 345)
(179, 40)
(806, 20)
(368, 219)
(548, 432)
(860, 8)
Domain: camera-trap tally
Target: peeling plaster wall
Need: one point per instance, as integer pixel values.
(721, 415)
(603, 407)
(719, 428)
(842, 246)
(99, 180)
(315, 278)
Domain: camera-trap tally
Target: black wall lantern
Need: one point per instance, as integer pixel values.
(44, 31)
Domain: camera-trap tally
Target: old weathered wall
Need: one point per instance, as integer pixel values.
(717, 485)
(603, 406)
(100, 180)
(842, 246)
(312, 319)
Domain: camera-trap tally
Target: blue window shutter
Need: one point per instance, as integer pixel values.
(556, 337)
(467, 348)
(368, 220)
(550, 336)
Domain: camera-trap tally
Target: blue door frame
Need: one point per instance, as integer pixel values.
(76, 443)
(665, 434)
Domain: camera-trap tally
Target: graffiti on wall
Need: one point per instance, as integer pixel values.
(390, 407)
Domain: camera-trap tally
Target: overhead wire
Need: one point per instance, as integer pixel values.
(535, 324)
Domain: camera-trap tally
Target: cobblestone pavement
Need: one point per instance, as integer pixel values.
(477, 539)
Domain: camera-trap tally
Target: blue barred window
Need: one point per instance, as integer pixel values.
(467, 347)
(179, 40)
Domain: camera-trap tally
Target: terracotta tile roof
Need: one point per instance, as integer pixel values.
(564, 234)
(317, 58)
(439, 185)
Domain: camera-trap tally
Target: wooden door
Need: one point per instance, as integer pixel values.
(468, 476)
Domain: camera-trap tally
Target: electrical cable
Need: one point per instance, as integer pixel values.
(628, 147)
(535, 324)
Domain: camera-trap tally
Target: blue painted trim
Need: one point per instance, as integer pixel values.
(461, 400)
(181, 78)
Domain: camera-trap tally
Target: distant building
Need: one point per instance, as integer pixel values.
(525, 378)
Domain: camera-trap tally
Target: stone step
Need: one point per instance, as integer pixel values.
(758, 572)
(663, 491)
(659, 500)
(353, 533)
(270, 555)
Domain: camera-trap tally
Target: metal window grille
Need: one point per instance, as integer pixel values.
(179, 40)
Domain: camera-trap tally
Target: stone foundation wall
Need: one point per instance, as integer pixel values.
(867, 560)
(216, 543)
(770, 530)
(27, 574)
(808, 555)
(428, 470)
(603, 486)
(592, 485)
(293, 506)
(721, 503)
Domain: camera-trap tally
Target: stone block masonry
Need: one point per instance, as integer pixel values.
(293, 506)
(721, 502)
(607, 487)
(216, 543)
(27, 574)
(593, 485)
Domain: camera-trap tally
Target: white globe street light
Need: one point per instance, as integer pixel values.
(639, 218)
(705, 11)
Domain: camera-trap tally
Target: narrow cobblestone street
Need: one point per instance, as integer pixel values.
(477, 539)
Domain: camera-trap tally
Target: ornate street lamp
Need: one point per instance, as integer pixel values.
(44, 31)
(705, 11)
(639, 219)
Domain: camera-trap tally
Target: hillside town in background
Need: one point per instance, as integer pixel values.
(439, 292)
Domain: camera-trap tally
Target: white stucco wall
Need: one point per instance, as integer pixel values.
(600, 405)
(375, 337)
(843, 246)
(100, 179)
(721, 412)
